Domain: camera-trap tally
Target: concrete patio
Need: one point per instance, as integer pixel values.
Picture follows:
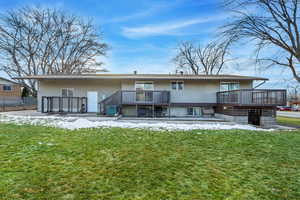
(95, 117)
(91, 120)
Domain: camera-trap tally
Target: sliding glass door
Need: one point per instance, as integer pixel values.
(144, 91)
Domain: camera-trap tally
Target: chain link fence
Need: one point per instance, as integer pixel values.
(17, 103)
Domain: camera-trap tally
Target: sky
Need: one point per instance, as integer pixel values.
(143, 34)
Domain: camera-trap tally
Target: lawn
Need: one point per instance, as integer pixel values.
(49, 163)
(289, 121)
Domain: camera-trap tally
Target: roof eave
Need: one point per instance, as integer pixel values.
(10, 81)
(141, 78)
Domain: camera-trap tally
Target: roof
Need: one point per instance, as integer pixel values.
(4, 79)
(142, 77)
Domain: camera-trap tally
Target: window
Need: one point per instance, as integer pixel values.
(194, 111)
(67, 92)
(180, 85)
(177, 85)
(190, 111)
(174, 85)
(226, 86)
(144, 86)
(7, 87)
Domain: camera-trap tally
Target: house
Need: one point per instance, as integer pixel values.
(294, 104)
(229, 97)
(9, 89)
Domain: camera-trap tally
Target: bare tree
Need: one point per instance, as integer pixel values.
(273, 25)
(209, 59)
(35, 41)
(293, 91)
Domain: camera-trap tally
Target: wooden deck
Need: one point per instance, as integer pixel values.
(252, 97)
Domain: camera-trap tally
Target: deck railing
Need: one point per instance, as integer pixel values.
(134, 97)
(145, 97)
(56, 104)
(252, 97)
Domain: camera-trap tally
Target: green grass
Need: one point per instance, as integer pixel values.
(141, 164)
(289, 121)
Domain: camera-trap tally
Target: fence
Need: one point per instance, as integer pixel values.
(56, 104)
(17, 103)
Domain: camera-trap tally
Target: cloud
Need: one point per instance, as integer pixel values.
(137, 15)
(167, 28)
(152, 10)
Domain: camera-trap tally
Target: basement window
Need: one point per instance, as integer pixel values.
(194, 111)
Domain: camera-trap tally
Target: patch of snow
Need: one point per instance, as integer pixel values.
(45, 143)
(73, 123)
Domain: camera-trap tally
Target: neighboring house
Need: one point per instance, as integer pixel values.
(294, 104)
(230, 97)
(9, 88)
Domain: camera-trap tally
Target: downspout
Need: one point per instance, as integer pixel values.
(259, 84)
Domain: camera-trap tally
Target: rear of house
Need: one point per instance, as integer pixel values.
(230, 97)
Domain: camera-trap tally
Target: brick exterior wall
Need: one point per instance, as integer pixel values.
(15, 92)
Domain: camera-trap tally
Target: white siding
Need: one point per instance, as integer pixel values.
(81, 87)
(193, 92)
(178, 111)
(129, 111)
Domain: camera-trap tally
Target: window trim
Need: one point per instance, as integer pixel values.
(72, 89)
(137, 82)
(6, 85)
(229, 82)
(177, 88)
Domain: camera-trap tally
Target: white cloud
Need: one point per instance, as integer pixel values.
(152, 10)
(167, 28)
(137, 15)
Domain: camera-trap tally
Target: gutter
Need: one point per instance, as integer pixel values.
(134, 78)
(259, 84)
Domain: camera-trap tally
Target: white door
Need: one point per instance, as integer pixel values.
(92, 104)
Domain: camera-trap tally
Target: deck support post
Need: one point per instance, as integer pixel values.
(42, 108)
(136, 110)
(51, 104)
(60, 104)
(152, 104)
(78, 109)
(152, 110)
